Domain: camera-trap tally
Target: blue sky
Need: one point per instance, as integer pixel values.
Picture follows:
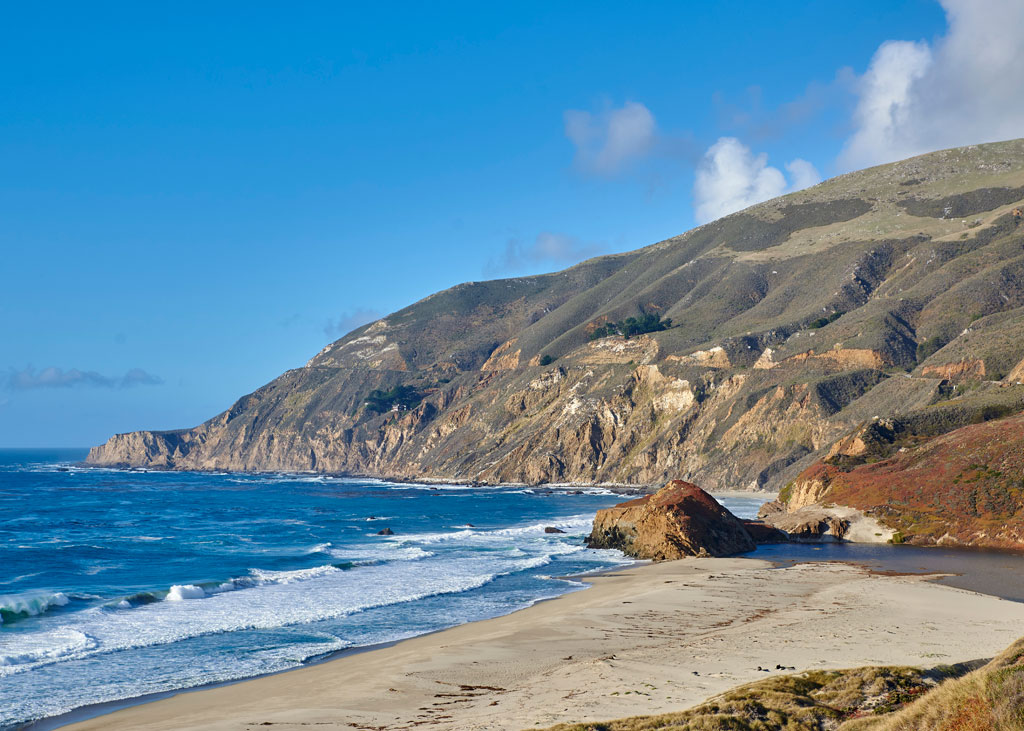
(194, 199)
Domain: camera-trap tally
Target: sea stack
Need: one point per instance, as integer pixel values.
(679, 520)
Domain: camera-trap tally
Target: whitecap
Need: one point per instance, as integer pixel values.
(181, 592)
(30, 604)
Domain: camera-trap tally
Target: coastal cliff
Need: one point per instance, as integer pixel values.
(736, 356)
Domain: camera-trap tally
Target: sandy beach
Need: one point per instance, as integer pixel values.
(647, 639)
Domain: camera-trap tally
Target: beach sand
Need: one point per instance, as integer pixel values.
(647, 639)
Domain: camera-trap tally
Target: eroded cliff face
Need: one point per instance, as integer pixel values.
(794, 323)
(588, 424)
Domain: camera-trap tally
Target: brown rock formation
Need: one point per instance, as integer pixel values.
(677, 521)
(503, 358)
(1016, 375)
(809, 524)
(972, 369)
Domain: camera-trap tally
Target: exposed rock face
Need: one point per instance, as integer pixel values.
(1016, 375)
(677, 521)
(810, 524)
(503, 358)
(965, 370)
(794, 322)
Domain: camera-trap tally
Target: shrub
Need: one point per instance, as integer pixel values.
(823, 321)
(929, 347)
(402, 397)
(546, 360)
(646, 323)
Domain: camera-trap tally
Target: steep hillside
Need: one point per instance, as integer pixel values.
(878, 293)
(965, 487)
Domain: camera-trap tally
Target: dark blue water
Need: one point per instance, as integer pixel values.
(116, 584)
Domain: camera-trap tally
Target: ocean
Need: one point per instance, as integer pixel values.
(116, 584)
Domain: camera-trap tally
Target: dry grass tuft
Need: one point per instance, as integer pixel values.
(989, 699)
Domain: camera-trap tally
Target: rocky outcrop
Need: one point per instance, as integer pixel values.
(679, 520)
(503, 358)
(972, 369)
(809, 524)
(1016, 374)
(839, 358)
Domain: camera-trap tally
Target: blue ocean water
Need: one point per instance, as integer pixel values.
(116, 584)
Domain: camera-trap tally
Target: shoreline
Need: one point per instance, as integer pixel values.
(588, 655)
(98, 710)
(619, 488)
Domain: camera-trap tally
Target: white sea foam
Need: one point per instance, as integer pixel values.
(574, 525)
(181, 592)
(385, 551)
(266, 577)
(44, 647)
(30, 604)
(278, 599)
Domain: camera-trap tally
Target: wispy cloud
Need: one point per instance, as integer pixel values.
(608, 141)
(547, 249)
(963, 89)
(349, 321)
(52, 377)
(731, 177)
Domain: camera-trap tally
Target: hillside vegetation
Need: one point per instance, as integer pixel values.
(890, 292)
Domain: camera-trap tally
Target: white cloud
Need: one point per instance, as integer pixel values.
(608, 141)
(966, 88)
(547, 248)
(802, 174)
(53, 377)
(885, 107)
(731, 177)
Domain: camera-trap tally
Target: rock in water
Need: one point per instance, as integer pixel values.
(386, 532)
(677, 521)
(552, 529)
